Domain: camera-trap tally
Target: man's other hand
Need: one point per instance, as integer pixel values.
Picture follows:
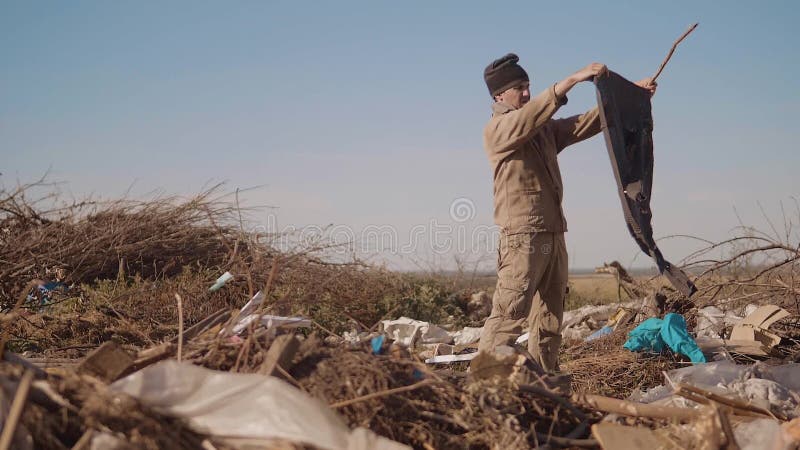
(649, 84)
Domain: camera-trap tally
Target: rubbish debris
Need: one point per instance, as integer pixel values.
(41, 294)
(224, 278)
(504, 363)
(480, 305)
(755, 386)
(409, 332)
(466, 335)
(750, 335)
(754, 326)
(248, 315)
(712, 322)
(444, 359)
(600, 333)
(579, 323)
(377, 344)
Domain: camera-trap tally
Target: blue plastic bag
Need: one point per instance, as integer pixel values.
(654, 334)
(377, 344)
(599, 333)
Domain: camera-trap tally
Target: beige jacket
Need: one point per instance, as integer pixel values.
(522, 145)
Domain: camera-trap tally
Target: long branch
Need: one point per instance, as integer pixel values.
(672, 50)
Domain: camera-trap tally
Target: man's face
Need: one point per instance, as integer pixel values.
(516, 96)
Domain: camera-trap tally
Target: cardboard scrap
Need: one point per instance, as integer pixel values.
(742, 347)
(612, 436)
(749, 337)
(754, 327)
(504, 363)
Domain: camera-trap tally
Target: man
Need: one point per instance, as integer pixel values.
(522, 142)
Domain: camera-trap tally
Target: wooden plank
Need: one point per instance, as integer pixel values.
(635, 409)
(195, 330)
(280, 354)
(738, 407)
(106, 362)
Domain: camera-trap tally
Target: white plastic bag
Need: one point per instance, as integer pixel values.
(243, 409)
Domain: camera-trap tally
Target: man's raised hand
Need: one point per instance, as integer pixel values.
(648, 84)
(591, 71)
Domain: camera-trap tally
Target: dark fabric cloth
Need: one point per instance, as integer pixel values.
(504, 73)
(627, 123)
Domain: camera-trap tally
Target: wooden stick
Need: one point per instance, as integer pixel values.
(204, 325)
(20, 301)
(727, 429)
(672, 50)
(738, 407)
(180, 325)
(634, 409)
(17, 405)
(410, 387)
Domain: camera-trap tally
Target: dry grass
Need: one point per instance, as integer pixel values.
(603, 367)
(593, 289)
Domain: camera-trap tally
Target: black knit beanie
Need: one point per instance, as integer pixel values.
(504, 73)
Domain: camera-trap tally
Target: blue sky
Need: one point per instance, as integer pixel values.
(370, 113)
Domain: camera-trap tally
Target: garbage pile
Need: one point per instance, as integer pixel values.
(118, 348)
(249, 380)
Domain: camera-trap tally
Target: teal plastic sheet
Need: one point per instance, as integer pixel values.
(654, 334)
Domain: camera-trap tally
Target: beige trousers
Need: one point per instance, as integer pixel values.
(530, 293)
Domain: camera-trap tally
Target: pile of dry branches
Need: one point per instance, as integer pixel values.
(124, 261)
(62, 406)
(753, 266)
(84, 241)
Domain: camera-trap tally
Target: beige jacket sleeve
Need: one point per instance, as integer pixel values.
(506, 131)
(571, 130)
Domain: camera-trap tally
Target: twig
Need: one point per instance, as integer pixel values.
(382, 393)
(672, 50)
(567, 442)
(314, 322)
(180, 325)
(17, 405)
(790, 288)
